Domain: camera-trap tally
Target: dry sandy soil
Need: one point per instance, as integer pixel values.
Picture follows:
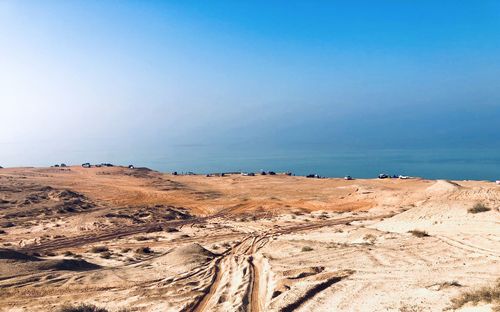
(140, 240)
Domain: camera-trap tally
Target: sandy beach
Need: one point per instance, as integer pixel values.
(139, 240)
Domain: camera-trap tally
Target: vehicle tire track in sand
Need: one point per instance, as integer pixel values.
(205, 300)
(311, 293)
(461, 245)
(255, 302)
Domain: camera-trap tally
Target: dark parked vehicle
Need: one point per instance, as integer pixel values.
(383, 176)
(86, 165)
(272, 173)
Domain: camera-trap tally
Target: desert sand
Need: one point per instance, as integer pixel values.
(139, 240)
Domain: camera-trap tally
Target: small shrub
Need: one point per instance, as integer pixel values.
(99, 249)
(144, 250)
(2, 232)
(7, 224)
(125, 250)
(409, 308)
(68, 253)
(81, 308)
(488, 294)
(105, 255)
(306, 248)
(479, 207)
(419, 233)
(50, 254)
(142, 238)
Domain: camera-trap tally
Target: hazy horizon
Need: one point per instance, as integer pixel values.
(141, 81)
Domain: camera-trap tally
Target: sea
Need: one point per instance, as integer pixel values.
(326, 161)
(453, 164)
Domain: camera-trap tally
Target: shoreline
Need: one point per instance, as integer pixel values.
(215, 174)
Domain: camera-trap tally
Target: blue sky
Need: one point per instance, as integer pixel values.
(103, 75)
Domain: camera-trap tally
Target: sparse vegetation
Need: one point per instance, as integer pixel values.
(68, 253)
(486, 294)
(125, 250)
(144, 250)
(105, 255)
(81, 308)
(409, 308)
(99, 249)
(7, 224)
(370, 238)
(419, 233)
(477, 208)
(306, 248)
(142, 238)
(172, 230)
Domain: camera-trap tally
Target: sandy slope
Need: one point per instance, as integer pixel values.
(263, 243)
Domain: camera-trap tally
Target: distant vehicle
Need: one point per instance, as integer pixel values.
(174, 173)
(86, 165)
(131, 166)
(383, 176)
(1, 167)
(63, 165)
(498, 181)
(248, 174)
(272, 173)
(313, 176)
(288, 173)
(98, 166)
(347, 178)
(56, 165)
(404, 177)
(263, 173)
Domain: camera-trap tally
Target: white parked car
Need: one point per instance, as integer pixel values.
(404, 177)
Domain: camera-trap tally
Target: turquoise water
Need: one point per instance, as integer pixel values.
(457, 164)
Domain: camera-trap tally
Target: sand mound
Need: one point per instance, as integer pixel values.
(191, 252)
(9, 254)
(67, 265)
(64, 195)
(443, 186)
(187, 256)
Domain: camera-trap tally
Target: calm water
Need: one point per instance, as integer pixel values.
(455, 164)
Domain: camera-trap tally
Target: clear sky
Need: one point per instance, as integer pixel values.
(127, 75)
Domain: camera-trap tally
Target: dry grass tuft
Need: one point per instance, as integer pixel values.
(81, 308)
(306, 248)
(479, 207)
(105, 255)
(99, 249)
(487, 294)
(144, 250)
(419, 233)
